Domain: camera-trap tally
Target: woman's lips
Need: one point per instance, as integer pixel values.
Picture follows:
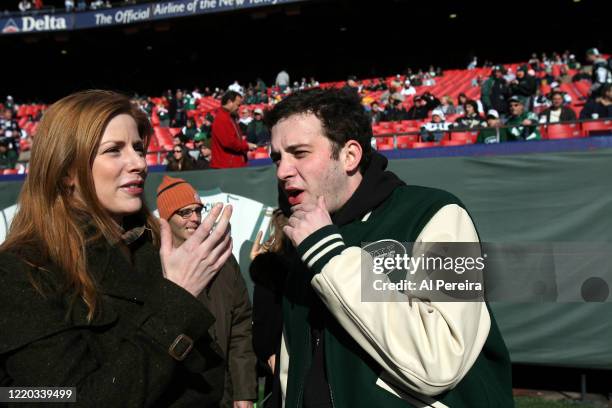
(134, 190)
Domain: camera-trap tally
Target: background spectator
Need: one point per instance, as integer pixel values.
(8, 157)
(180, 160)
(557, 112)
(601, 74)
(472, 118)
(419, 109)
(495, 91)
(395, 110)
(282, 80)
(376, 112)
(493, 133)
(461, 100)
(524, 85)
(408, 89)
(257, 132)
(446, 105)
(178, 115)
(434, 130)
(601, 106)
(228, 148)
(244, 119)
(203, 160)
(524, 123)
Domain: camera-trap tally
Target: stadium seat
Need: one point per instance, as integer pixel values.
(164, 137)
(384, 143)
(152, 159)
(465, 137)
(562, 131)
(599, 127)
(406, 141)
(420, 145)
(384, 147)
(10, 171)
(260, 155)
(174, 131)
(454, 142)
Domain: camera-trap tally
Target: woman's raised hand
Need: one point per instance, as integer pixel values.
(196, 262)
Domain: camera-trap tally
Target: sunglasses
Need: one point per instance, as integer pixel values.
(178, 151)
(186, 213)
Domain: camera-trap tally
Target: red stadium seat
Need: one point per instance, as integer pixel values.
(174, 131)
(406, 141)
(260, 155)
(454, 142)
(152, 159)
(10, 171)
(562, 131)
(465, 137)
(599, 127)
(384, 147)
(420, 145)
(164, 137)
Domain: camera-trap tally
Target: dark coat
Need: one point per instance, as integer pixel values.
(121, 358)
(228, 300)
(567, 115)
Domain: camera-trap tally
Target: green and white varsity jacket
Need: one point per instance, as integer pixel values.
(392, 354)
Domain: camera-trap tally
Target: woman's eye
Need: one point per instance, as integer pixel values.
(114, 149)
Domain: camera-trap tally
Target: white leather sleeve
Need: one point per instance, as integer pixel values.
(425, 347)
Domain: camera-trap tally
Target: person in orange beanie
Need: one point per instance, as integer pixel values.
(225, 295)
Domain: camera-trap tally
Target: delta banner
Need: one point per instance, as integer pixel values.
(545, 220)
(117, 16)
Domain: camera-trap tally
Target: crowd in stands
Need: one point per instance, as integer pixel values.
(33, 6)
(498, 103)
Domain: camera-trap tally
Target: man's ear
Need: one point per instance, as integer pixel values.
(351, 155)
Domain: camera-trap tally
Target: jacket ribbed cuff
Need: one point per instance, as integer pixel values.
(321, 246)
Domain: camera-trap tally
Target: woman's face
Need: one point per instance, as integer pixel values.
(177, 152)
(469, 109)
(119, 168)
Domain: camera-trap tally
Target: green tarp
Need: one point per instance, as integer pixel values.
(517, 199)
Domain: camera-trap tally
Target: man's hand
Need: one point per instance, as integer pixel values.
(252, 146)
(243, 404)
(527, 122)
(272, 362)
(306, 219)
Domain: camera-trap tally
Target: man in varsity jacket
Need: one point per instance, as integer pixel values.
(336, 350)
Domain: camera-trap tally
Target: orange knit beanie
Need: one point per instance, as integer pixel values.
(174, 194)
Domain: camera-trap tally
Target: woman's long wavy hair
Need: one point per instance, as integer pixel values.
(48, 227)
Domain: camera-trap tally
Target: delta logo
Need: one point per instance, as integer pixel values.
(33, 24)
(10, 27)
(45, 23)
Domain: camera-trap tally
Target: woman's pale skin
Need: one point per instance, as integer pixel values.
(119, 171)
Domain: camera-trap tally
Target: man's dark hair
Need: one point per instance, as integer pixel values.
(229, 96)
(473, 104)
(342, 117)
(553, 93)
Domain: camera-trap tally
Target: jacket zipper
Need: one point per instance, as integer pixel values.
(301, 391)
(331, 394)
